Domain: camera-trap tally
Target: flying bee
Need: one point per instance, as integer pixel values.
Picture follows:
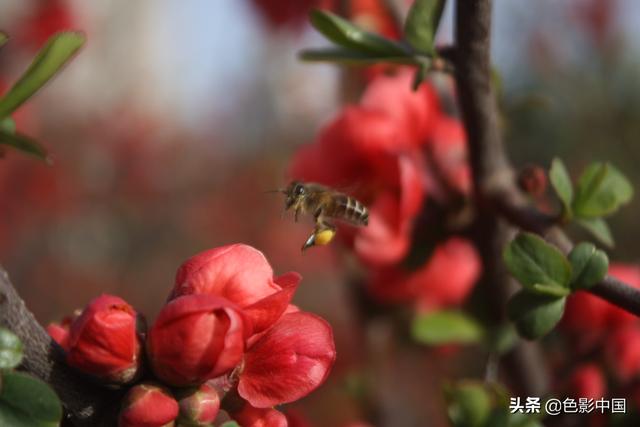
(325, 204)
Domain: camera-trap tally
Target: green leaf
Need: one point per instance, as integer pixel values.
(601, 190)
(3, 38)
(589, 265)
(533, 261)
(599, 229)
(446, 327)
(23, 143)
(230, 424)
(27, 402)
(468, 404)
(551, 290)
(55, 53)
(561, 183)
(534, 314)
(345, 34)
(422, 23)
(10, 349)
(352, 57)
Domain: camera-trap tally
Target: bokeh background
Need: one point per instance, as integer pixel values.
(177, 116)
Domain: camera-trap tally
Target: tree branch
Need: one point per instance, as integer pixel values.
(86, 404)
(492, 175)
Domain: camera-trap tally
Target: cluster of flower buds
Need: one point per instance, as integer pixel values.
(227, 338)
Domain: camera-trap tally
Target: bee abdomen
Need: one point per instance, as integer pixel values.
(351, 210)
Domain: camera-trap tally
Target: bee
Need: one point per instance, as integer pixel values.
(325, 204)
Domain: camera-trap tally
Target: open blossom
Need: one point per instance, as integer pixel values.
(242, 275)
(148, 405)
(288, 361)
(196, 338)
(103, 340)
(378, 147)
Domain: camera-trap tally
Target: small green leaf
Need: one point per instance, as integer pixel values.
(503, 338)
(10, 349)
(446, 327)
(534, 314)
(230, 424)
(27, 402)
(345, 34)
(601, 190)
(422, 24)
(551, 290)
(23, 143)
(55, 53)
(468, 404)
(561, 183)
(352, 57)
(533, 261)
(589, 265)
(599, 229)
(3, 38)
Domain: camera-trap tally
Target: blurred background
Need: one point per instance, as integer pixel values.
(176, 117)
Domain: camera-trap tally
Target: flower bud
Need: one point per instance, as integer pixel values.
(196, 338)
(148, 405)
(248, 416)
(103, 341)
(587, 381)
(199, 407)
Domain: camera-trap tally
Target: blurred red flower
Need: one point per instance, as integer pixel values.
(288, 361)
(196, 338)
(103, 340)
(148, 405)
(242, 275)
(45, 19)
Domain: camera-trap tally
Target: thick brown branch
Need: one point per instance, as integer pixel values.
(85, 403)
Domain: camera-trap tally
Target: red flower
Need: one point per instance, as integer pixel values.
(248, 416)
(242, 275)
(445, 280)
(623, 352)
(278, 13)
(288, 361)
(196, 338)
(199, 407)
(587, 381)
(147, 405)
(103, 341)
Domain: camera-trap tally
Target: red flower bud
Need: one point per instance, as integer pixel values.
(242, 275)
(623, 352)
(195, 338)
(200, 407)
(248, 416)
(288, 361)
(103, 340)
(587, 381)
(147, 405)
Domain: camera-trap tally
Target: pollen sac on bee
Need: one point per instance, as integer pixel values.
(320, 237)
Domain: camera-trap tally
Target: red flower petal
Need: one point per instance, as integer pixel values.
(288, 362)
(268, 310)
(195, 338)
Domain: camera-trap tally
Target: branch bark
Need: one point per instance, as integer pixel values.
(85, 403)
(492, 175)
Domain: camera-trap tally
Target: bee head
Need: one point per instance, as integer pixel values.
(294, 192)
